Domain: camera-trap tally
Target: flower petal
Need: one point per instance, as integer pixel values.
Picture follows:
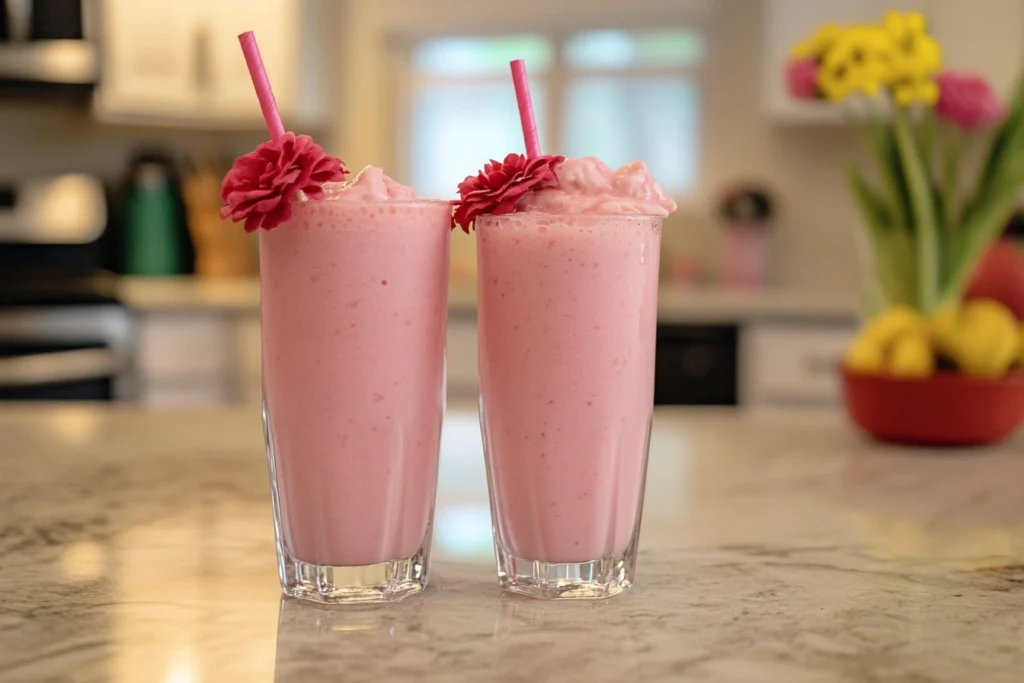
(500, 186)
(260, 186)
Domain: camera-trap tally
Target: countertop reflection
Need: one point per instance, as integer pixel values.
(137, 546)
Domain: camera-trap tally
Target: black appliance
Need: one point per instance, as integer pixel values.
(63, 333)
(45, 47)
(696, 365)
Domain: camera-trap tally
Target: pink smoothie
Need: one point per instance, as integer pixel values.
(568, 310)
(354, 303)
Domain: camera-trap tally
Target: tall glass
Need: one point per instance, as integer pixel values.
(567, 315)
(353, 307)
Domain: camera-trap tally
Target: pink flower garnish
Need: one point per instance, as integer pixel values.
(501, 184)
(260, 186)
(802, 79)
(968, 101)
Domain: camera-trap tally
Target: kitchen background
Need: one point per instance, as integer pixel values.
(147, 102)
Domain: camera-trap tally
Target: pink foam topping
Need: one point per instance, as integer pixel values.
(588, 186)
(369, 185)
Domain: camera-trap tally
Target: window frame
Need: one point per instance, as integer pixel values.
(406, 82)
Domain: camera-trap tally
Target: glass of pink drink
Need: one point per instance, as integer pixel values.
(568, 298)
(354, 303)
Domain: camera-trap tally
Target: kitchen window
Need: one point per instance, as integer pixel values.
(616, 95)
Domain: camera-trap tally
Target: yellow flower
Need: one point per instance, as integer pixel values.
(915, 54)
(817, 44)
(858, 62)
(916, 91)
(900, 24)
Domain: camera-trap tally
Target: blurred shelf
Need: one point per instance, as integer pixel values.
(190, 293)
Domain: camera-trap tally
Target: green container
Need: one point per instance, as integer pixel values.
(153, 245)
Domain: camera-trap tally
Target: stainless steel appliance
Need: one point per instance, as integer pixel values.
(63, 333)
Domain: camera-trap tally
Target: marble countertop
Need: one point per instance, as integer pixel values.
(137, 546)
(676, 304)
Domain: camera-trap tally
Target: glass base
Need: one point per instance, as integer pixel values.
(388, 581)
(594, 579)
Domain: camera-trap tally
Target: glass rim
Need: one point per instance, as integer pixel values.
(544, 214)
(379, 202)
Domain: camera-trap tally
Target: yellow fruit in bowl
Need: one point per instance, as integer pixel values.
(865, 355)
(911, 357)
(944, 329)
(894, 322)
(1020, 361)
(991, 312)
(897, 342)
(983, 338)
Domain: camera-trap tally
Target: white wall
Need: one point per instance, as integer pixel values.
(37, 138)
(804, 166)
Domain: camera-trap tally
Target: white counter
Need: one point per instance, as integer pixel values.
(138, 546)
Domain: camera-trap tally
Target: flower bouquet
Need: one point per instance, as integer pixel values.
(923, 356)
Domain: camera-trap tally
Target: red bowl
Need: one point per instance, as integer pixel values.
(948, 409)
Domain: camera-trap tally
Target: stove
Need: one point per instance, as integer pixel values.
(64, 335)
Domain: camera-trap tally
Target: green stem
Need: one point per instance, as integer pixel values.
(927, 136)
(983, 228)
(952, 153)
(953, 150)
(880, 143)
(924, 214)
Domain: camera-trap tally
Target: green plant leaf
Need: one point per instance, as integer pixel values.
(952, 154)
(985, 225)
(995, 195)
(926, 135)
(925, 231)
(948, 199)
(891, 258)
(883, 147)
(872, 207)
(902, 256)
(1005, 146)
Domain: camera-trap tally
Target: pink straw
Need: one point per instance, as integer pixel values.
(526, 116)
(262, 84)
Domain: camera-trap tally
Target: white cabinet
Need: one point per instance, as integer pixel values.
(149, 58)
(792, 363)
(982, 37)
(186, 357)
(178, 62)
(275, 24)
(211, 356)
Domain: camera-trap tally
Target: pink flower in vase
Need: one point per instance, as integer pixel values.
(802, 79)
(968, 101)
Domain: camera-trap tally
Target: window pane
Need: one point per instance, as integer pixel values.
(457, 128)
(620, 49)
(481, 56)
(619, 120)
